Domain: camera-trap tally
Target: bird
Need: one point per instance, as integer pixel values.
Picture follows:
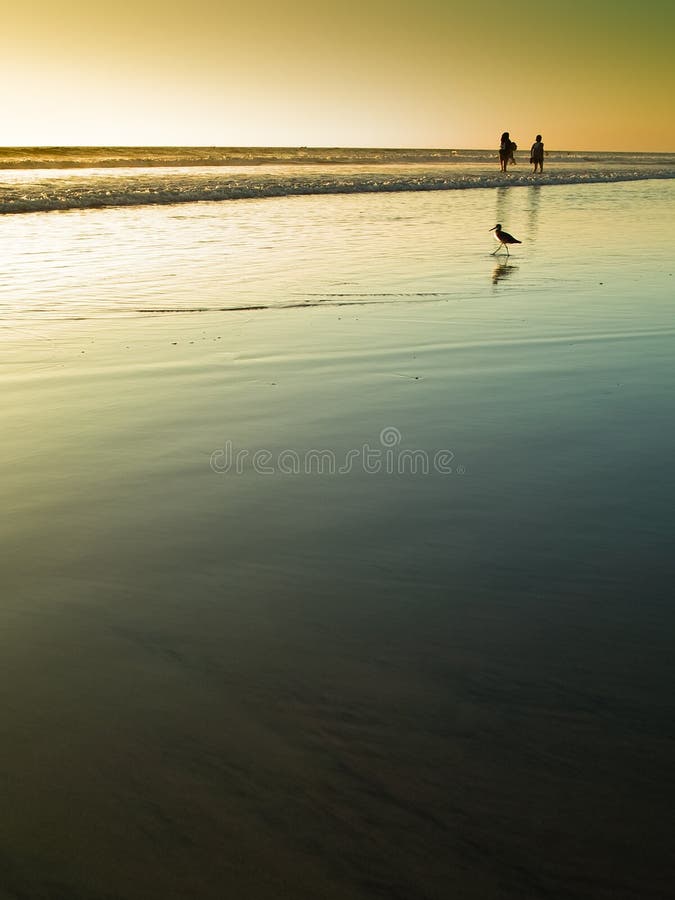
(504, 239)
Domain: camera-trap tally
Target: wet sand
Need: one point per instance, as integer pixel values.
(349, 685)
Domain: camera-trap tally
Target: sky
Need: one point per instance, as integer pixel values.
(593, 75)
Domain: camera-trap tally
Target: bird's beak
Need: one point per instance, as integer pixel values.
(493, 228)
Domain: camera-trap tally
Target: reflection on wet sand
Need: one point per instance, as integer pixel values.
(502, 205)
(533, 204)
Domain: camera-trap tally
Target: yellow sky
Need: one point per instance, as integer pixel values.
(587, 75)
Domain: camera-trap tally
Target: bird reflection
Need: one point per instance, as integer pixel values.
(502, 271)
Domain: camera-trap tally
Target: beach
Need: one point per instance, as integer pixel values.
(336, 551)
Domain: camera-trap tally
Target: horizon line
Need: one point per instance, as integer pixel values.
(158, 146)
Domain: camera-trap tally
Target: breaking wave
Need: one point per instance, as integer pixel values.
(29, 191)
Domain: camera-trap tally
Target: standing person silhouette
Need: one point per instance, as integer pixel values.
(504, 151)
(537, 154)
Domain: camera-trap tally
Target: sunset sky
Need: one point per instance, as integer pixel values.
(588, 75)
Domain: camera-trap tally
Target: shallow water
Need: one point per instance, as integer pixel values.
(265, 684)
(342, 249)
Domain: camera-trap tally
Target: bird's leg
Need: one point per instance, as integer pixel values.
(507, 249)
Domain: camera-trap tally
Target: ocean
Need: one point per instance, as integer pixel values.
(44, 179)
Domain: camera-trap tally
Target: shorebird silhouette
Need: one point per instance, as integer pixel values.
(504, 239)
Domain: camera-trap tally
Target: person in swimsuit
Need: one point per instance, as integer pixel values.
(504, 151)
(537, 154)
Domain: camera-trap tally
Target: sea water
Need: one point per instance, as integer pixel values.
(417, 246)
(33, 180)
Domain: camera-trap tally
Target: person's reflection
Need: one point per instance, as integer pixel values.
(534, 199)
(502, 211)
(502, 271)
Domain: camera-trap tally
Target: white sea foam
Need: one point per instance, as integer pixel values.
(118, 177)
